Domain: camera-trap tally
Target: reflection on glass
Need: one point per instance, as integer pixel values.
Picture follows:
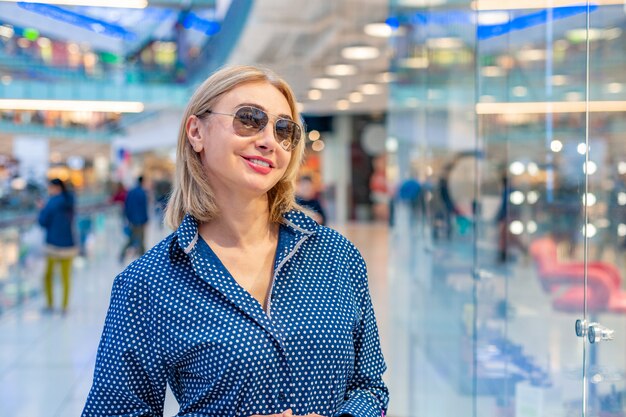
(527, 196)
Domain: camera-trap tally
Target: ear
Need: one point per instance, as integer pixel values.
(193, 129)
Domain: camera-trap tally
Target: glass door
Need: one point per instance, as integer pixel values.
(508, 149)
(604, 206)
(548, 107)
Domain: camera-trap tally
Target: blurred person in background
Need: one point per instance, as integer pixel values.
(250, 308)
(119, 194)
(136, 212)
(379, 189)
(57, 218)
(306, 197)
(118, 199)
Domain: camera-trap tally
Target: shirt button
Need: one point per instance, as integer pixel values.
(282, 397)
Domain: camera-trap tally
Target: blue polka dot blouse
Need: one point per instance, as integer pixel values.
(177, 316)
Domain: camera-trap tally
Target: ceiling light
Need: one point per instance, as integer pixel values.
(355, 97)
(7, 31)
(589, 199)
(517, 197)
(314, 94)
(581, 35)
(127, 4)
(492, 18)
(391, 144)
(444, 43)
(318, 146)
(360, 52)
(417, 62)
(370, 89)
(517, 168)
(314, 135)
(543, 107)
(341, 70)
(73, 105)
(44, 42)
(532, 197)
(531, 55)
(379, 30)
(532, 4)
(492, 71)
(573, 96)
(556, 145)
(516, 227)
(589, 230)
(559, 80)
(614, 88)
(519, 91)
(324, 83)
(420, 3)
(590, 167)
(343, 105)
(385, 77)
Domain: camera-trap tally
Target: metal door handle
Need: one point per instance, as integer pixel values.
(598, 333)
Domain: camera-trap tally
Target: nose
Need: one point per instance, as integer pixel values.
(266, 138)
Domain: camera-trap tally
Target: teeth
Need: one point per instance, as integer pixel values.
(259, 162)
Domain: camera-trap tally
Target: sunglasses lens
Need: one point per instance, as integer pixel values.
(287, 132)
(249, 121)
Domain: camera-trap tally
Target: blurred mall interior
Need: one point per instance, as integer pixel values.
(474, 151)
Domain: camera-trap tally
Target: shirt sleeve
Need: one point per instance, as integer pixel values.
(129, 377)
(367, 395)
(45, 216)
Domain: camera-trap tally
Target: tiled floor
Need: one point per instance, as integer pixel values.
(46, 360)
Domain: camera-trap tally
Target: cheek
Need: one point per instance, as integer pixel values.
(285, 158)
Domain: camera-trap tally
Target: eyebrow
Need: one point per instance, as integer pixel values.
(259, 106)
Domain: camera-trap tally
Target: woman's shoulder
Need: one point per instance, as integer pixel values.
(331, 239)
(154, 264)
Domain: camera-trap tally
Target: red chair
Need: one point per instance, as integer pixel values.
(565, 281)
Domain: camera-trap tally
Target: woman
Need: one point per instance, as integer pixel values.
(249, 308)
(57, 217)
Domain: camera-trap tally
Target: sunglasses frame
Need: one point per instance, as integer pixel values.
(291, 144)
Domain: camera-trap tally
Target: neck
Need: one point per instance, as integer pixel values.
(240, 224)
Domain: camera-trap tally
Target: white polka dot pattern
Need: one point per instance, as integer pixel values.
(178, 316)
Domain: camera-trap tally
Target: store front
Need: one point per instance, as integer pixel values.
(508, 154)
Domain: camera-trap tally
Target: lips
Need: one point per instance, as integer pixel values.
(260, 161)
(258, 164)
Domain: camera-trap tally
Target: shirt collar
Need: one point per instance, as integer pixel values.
(186, 236)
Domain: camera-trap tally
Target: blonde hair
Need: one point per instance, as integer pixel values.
(191, 192)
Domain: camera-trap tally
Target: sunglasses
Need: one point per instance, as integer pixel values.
(249, 121)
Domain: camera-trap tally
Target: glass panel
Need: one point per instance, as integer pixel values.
(606, 300)
(533, 280)
(431, 127)
(489, 152)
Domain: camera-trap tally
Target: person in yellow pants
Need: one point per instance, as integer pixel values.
(66, 271)
(57, 217)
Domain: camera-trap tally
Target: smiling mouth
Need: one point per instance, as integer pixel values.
(259, 162)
